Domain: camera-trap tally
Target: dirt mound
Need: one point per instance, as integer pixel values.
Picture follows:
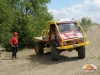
(29, 64)
(93, 49)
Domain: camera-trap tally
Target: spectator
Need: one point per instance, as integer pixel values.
(14, 44)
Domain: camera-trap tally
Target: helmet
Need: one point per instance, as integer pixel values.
(15, 33)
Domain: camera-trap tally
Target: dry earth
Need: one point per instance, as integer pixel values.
(29, 64)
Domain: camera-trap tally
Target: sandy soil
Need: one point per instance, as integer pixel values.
(29, 64)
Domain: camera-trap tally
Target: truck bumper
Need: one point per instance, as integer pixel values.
(73, 46)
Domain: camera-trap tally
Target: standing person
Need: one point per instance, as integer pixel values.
(14, 44)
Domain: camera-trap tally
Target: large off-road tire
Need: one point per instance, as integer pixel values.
(54, 53)
(81, 52)
(39, 49)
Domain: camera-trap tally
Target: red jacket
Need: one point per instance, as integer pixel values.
(14, 40)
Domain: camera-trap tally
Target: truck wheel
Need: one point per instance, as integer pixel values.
(39, 49)
(54, 53)
(81, 52)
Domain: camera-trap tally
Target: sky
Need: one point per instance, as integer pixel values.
(68, 9)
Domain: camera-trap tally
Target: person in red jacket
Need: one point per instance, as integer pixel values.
(14, 44)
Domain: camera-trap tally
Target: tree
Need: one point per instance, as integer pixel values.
(31, 18)
(86, 21)
(6, 20)
(27, 17)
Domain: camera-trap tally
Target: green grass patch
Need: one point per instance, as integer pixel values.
(93, 57)
(99, 57)
(0, 54)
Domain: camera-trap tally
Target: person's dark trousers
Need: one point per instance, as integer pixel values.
(14, 51)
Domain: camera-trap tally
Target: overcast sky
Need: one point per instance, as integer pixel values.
(76, 9)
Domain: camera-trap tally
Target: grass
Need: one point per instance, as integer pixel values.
(0, 54)
(85, 27)
(93, 57)
(99, 57)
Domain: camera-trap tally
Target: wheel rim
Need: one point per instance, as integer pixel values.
(37, 49)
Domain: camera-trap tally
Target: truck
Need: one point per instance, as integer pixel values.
(60, 36)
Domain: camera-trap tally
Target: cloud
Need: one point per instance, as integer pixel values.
(93, 6)
(67, 12)
(89, 9)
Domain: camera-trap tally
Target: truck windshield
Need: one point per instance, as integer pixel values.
(67, 27)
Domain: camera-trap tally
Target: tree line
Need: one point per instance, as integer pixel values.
(27, 17)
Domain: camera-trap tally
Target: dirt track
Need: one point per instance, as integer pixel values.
(29, 64)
